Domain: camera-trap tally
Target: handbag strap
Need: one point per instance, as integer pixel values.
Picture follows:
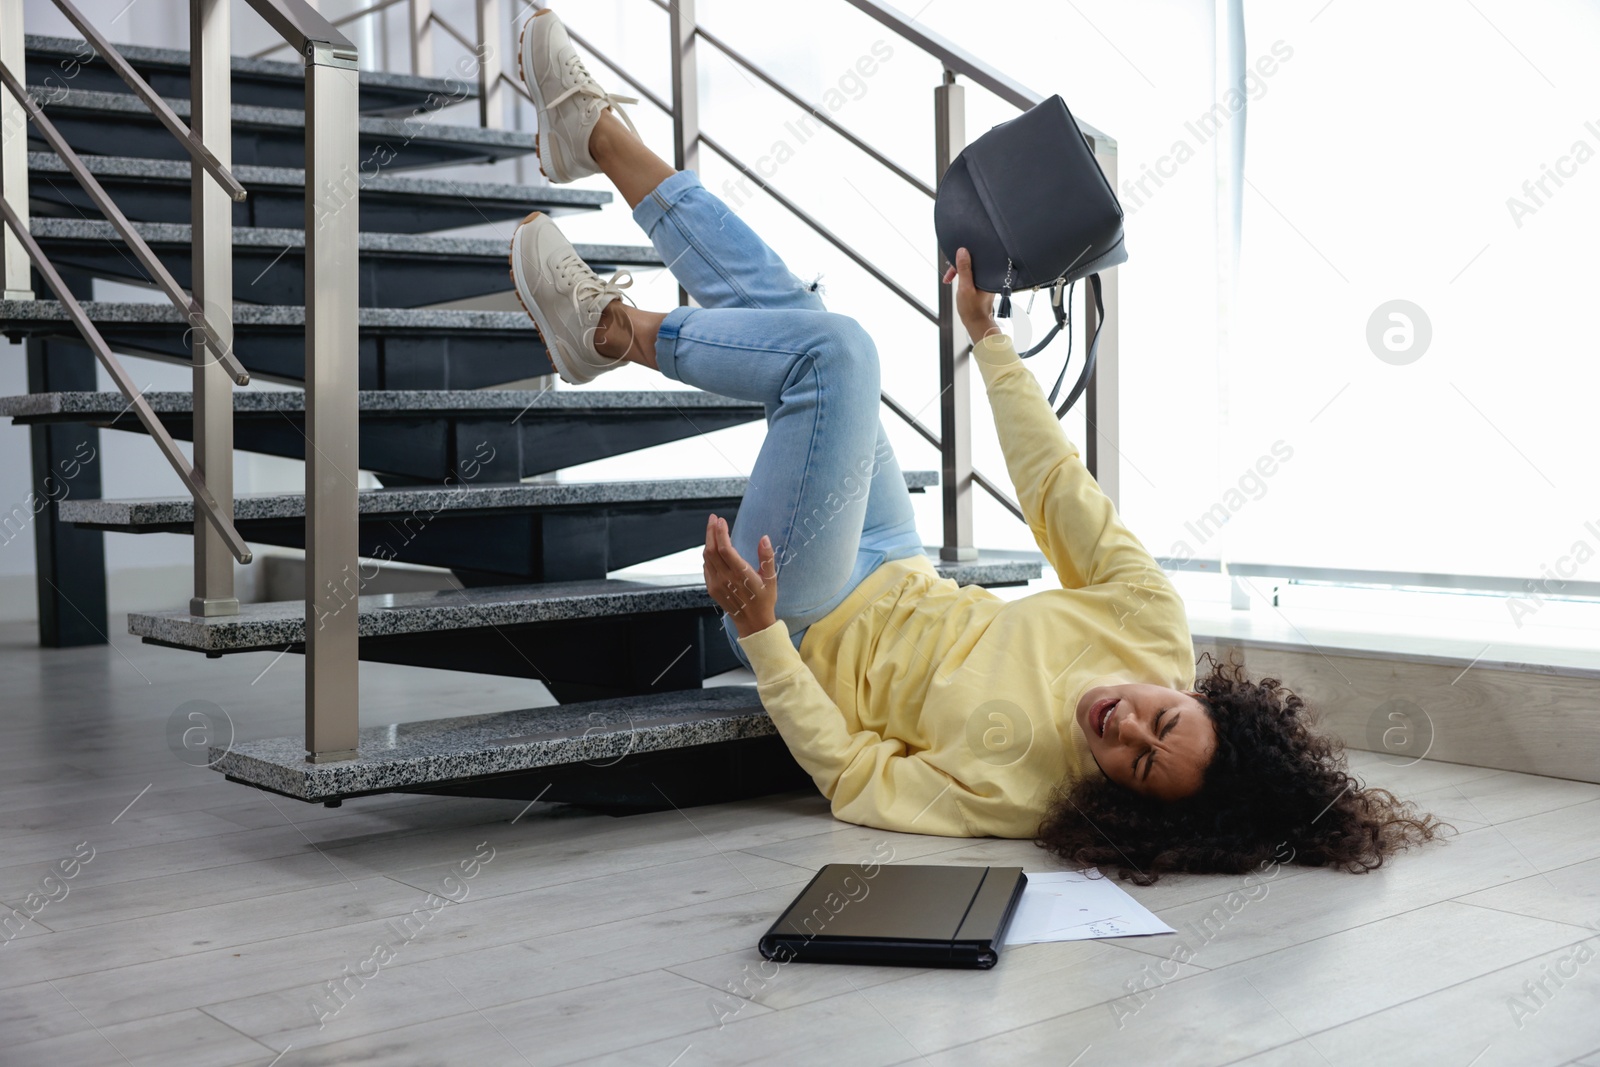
(1063, 313)
(1061, 304)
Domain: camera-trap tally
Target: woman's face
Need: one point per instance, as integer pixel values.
(1148, 738)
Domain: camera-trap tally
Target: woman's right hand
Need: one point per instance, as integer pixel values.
(975, 306)
(748, 595)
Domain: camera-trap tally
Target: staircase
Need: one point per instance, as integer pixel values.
(531, 560)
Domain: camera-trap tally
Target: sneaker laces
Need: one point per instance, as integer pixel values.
(587, 287)
(583, 82)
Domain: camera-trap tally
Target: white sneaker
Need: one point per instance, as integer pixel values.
(563, 297)
(568, 99)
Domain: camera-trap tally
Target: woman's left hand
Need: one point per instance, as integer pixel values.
(748, 595)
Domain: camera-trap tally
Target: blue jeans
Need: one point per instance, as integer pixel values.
(825, 487)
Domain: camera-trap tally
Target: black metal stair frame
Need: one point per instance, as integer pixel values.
(400, 348)
(426, 437)
(582, 639)
(488, 534)
(118, 124)
(157, 190)
(57, 63)
(397, 270)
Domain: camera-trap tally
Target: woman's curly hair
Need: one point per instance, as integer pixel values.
(1274, 786)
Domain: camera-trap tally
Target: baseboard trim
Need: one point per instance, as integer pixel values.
(1510, 716)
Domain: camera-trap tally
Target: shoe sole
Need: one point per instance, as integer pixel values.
(547, 165)
(540, 326)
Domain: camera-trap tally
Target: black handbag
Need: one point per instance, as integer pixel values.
(1030, 204)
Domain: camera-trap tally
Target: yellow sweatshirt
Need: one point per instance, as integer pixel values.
(925, 707)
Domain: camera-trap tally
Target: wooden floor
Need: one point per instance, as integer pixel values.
(211, 918)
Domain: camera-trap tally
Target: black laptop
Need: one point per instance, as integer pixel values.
(923, 916)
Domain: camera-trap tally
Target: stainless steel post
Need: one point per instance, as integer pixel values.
(685, 87)
(420, 14)
(955, 411)
(685, 96)
(332, 462)
(491, 64)
(17, 283)
(211, 91)
(1102, 398)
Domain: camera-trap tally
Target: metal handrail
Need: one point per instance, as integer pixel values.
(301, 25)
(370, 9)
(445, 25)
(343, 19)
(182, 301)
(192, 480)
(176, 126)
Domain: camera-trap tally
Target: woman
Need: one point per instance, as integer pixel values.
(1071, 716)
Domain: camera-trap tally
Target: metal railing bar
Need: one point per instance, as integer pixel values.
(827, 234)
(984, 482)
(91, 185)
(342, 20)
(370, 9)
(980, 479)
(517, 85)
(299, 24)
(911, 420)
(794, 98)
(175, 126)
(444, 25)
(141, 407)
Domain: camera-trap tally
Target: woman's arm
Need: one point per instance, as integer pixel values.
(868, 779)
(1073, 521)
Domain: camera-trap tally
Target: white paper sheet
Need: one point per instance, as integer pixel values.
(1075, 906)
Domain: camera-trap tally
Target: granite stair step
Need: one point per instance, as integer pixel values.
(400, 348)
(119, 124)
(584, 639)
(396, 269)
(487, 534)
(598, 752)
(424, 436)
(69, 61)
(274, 624)
(157, 190)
